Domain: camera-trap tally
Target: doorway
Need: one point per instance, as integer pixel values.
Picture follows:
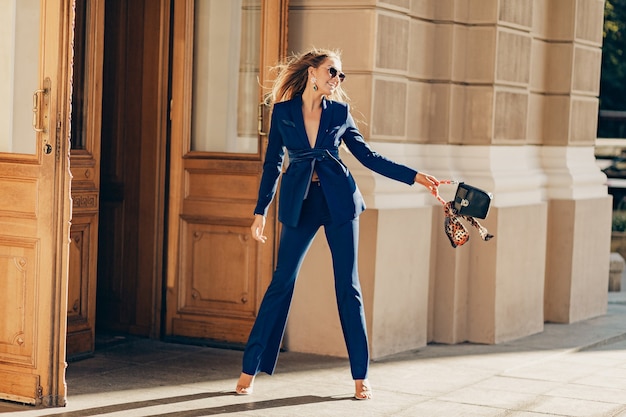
(118, 161)
(132, 166)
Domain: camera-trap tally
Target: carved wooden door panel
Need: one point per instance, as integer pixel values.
(35, 203)
(85, 168)
(216, 274)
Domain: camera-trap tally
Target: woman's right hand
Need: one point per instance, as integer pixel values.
(257, 228)
(428, 181)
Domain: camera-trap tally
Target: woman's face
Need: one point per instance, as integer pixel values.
(329, 75)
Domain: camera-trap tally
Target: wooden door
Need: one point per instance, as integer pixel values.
(35, 202)
(85, 167)
(216, 273)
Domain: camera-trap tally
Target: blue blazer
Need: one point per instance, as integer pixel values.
(343, 197)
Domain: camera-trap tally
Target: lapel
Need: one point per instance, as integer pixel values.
(324, 122)
(298, 119)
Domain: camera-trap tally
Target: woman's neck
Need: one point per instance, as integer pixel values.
(311, 100)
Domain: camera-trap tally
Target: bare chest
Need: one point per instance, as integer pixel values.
(312, 124)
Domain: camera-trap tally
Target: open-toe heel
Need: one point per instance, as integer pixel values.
(363, 390)
(245, 384)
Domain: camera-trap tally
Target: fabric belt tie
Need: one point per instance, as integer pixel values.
(311, 156)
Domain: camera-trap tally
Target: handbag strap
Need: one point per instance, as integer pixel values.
(435, 192)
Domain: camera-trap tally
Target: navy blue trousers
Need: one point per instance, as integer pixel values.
(263, 345)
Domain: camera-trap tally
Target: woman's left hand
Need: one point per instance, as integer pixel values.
(428, 181)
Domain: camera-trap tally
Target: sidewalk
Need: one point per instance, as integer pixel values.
(567, 370)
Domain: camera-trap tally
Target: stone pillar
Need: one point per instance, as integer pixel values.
(567, 57)
(395, 238)
(488, 292)
(524, 85)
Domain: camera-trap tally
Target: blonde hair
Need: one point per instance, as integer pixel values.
(293, 75)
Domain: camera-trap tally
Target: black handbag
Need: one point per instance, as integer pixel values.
(471, 201)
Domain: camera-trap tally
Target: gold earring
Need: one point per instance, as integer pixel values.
(314, 81)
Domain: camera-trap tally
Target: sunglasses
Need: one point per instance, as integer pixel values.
(334, 73)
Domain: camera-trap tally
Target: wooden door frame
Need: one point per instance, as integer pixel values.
(56, 395)
(85, 168)
(53, 394)
(161, 135)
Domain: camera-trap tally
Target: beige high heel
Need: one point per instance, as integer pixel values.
(363, 389)
(245, 384)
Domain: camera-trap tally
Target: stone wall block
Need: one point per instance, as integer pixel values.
(577, 270)
(430, 55)
(490, 292)
(560, 20)
(422, 49)
(587, 63)
(538, 63)
(399, 312)
(359, 89)
(551, 67)
(476, 11)
(400, 4)
(510, 118)
(355, 28)
(474, 54)
(439, 112)
(442, 51)
(448, 288)
(423, 9)
(590, 20)
(583, 120)
(513, 57)
(540, 21)
(559, 69)
(471, 118)
(556, 126)
(444, 10)
(516, 12)
(392, 42)
(428, 112)
(536, 119)
(389, 108)
(507, 276)
(419, 112)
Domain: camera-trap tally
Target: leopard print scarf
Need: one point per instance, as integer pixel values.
(455, 230)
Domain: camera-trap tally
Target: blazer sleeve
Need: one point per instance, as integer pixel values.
(272, 166)
(371, 159)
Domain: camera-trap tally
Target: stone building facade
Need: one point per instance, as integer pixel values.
(501, 94)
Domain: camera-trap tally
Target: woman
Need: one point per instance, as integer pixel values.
(310, 120)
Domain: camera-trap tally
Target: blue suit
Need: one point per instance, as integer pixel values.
(334, 202)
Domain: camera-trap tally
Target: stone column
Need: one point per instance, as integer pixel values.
(567, 57)
(396, 229)
(523, 107)
(487, 292)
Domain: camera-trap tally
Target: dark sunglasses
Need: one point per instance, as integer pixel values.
(333, 73)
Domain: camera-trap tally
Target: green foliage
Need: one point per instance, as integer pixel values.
(619, 222)
(612, 84)
(613, 77)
